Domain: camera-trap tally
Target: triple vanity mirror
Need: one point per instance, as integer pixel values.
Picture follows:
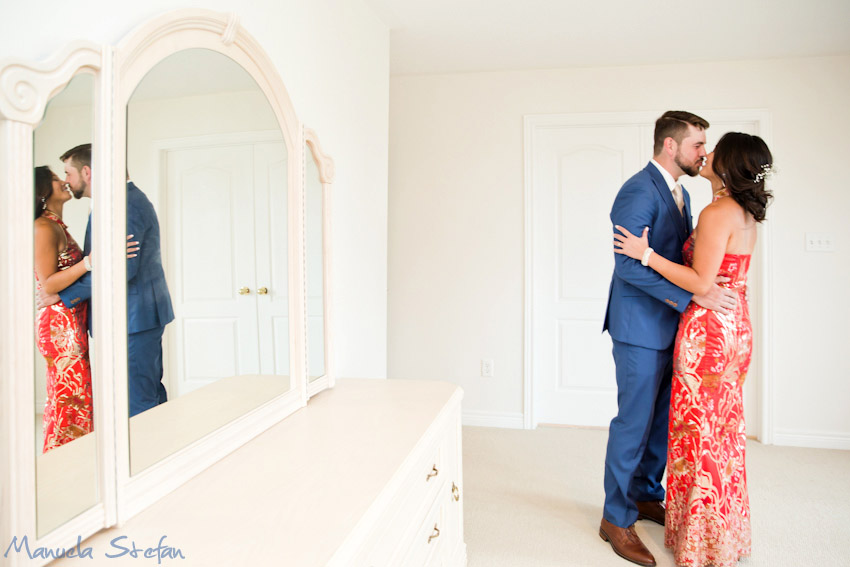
(204, 146)
(191, 125)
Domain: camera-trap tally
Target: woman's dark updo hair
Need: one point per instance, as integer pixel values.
(740, 161)
(43, 187)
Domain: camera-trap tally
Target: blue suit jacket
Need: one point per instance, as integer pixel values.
(643, 307)
(148, 300)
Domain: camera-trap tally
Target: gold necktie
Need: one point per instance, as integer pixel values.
(677, 196)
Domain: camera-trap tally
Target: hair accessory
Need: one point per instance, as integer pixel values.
(766, 171)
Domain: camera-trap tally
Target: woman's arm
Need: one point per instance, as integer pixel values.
(47, 243)
(709, 249)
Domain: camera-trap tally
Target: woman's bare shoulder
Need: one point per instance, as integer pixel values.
(725, 207)
(48, 231)
(46, 226)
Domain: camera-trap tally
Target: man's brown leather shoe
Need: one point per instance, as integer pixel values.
(626, 543)
(652, 510)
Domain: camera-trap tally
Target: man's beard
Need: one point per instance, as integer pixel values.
(692, 170)
(78, 193)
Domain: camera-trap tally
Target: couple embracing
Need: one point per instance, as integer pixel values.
(63, 285)
(679, 321)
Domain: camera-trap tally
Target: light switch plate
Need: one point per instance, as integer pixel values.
(819, 242)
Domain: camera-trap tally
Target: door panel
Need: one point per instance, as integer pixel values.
(576, 173)
(270, 167)
(210, 226)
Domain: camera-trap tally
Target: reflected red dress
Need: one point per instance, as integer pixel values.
(708, 510)
(61, 337)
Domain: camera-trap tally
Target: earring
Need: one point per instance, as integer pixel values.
(43, 204)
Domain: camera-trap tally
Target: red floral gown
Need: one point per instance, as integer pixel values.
(61, 337)
(708, 510)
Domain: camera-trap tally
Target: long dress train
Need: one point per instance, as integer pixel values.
(708, 510)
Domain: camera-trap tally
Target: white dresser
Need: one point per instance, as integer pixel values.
(368, 474)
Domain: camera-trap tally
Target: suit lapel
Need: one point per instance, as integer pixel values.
(689, 220)
(87, 240)
(667, 197)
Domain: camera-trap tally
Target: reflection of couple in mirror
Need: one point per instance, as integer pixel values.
(63, 283)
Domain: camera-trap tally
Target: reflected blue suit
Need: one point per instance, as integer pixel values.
(149, 307)
(642, 319)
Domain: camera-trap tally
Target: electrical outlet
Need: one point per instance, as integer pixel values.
(819, 242)
(487, 367)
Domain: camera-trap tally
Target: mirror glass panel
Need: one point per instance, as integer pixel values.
(207, 202)
(314, 242)
(65, 441)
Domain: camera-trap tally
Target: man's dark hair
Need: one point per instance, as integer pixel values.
(79, 156)
(674, 124)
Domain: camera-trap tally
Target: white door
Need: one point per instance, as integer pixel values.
(272, 236)
(576, 168)
(227, 232)
(576, 173)
(210, 216)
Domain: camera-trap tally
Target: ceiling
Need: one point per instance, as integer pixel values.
(447, 36)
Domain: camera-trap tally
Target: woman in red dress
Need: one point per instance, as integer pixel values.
(61, 335)
(707, 508)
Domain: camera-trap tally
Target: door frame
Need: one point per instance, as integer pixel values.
(763, 346)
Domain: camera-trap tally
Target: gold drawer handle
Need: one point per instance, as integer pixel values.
(455, 492)
(262, 291)
(434, 535)
(244, 291)
(434, 472)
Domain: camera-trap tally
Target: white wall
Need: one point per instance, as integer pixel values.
(333, 56)
(456, 250)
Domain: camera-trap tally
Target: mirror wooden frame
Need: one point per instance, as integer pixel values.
(25, 89)
(135, 56)
(325, 165)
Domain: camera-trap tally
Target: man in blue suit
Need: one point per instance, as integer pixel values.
(642, 319)
(149, 307)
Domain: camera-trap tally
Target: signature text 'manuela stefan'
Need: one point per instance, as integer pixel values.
(121, 546)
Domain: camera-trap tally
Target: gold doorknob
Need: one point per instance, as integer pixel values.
(244, 291)
(262, 291)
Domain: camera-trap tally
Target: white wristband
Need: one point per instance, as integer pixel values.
(87, 263)
(645, 260)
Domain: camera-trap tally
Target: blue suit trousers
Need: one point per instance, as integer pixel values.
(637, 438)
(144, 354)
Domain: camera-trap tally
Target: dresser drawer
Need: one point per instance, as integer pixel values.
(420, 490)
(427, 544)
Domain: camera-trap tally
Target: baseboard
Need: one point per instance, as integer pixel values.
(812, 439)
(493, 419)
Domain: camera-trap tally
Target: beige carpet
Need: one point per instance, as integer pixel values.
(534, 499)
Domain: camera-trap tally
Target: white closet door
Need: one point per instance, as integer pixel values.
(576, 173)
(272, 257)
(210, 195)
